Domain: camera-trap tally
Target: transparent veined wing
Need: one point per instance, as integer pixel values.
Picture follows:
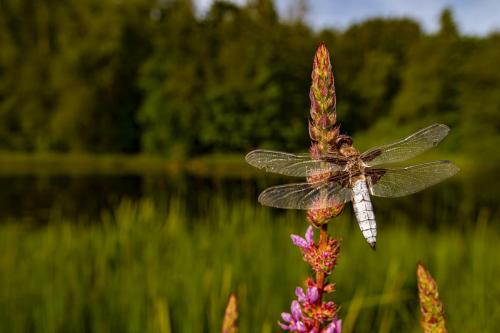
(405, 181)
(297, 165)
(305, 195)
(407, 148)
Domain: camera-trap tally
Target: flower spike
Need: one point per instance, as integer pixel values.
(309, 312)
(230, 324)
(431, 307)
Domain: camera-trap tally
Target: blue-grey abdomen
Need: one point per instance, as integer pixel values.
(363, 210)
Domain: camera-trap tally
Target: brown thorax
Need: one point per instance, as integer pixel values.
(345, 147)
(355, 165)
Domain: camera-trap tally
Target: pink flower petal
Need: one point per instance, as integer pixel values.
(299, 241)
(310, 235)
(312, 294)
(301, 296)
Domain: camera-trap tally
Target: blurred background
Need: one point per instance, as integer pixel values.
(125, 202)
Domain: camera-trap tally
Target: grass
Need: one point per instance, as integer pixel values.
(144, 268)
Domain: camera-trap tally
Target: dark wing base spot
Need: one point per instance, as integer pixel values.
(375, 174)
(370, 156)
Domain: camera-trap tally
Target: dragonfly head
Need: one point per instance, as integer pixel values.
(345, 147)
(343, 141)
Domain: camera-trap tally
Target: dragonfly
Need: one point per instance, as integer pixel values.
(346, 175)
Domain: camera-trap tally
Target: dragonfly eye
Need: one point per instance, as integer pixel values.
(343, 140)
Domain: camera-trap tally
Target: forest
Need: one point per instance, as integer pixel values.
(156, 78)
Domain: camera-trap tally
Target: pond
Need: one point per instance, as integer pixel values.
(33, 198)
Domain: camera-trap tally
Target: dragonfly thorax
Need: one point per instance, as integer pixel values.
(355, 168)
(349, 151)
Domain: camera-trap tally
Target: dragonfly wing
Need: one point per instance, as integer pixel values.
(405, 181)
(297, 165)
(407, 148)
(305, 195)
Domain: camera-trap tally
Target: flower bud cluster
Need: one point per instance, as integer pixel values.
(318, 311)
(320, 258)
(230, 323)
(431, 307)
(323, 130)
(298, 321)
(309, 313)
(320, 216)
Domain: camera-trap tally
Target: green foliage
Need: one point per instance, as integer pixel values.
(171, 80)
(144, 268)
(155, 77)
(69, 74)
(480, 100)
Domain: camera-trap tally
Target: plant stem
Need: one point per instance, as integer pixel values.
(320, 275)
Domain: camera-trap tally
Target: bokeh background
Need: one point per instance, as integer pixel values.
(125, 202)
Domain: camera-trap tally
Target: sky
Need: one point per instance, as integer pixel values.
(474, 17)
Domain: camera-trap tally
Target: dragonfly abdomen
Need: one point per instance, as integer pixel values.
(363, 210)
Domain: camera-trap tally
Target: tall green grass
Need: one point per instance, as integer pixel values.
(146, 269)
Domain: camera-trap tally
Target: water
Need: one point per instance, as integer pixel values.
(34, 198)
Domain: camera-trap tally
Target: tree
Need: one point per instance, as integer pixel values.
(172, 80)
(70, 73)
(448, 26)
(101, 47)
(370, 57)
(479, 100)
(429, 87)
(28, 44)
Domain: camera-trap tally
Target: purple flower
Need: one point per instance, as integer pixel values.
(294, 320)
(301, 296)
(321, 259)
(310, 235)
(299, 241)
(296, 311)
(312, 294)
(306, 242)
(334, 327)
(311, 297)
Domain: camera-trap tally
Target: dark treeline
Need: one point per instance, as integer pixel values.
(151, 76)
